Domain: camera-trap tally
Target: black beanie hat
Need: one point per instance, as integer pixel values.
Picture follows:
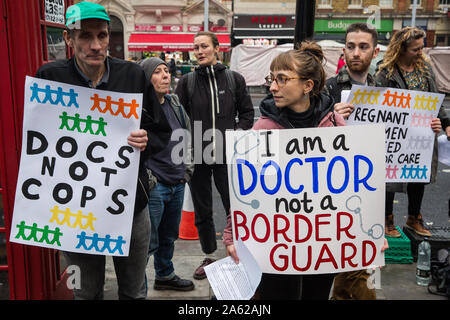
(150, 64)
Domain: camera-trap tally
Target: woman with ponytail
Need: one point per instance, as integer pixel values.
(296, 100)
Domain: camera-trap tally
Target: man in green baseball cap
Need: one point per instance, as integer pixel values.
(85, 10)
(87, 34)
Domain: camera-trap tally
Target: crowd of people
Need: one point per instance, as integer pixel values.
(206, 103)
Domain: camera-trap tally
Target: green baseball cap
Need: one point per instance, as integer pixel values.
(85, 10)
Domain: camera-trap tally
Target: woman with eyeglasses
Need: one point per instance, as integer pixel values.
(405, 66)
(296, 101)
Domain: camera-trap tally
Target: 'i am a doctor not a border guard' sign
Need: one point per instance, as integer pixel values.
(309, 201)
(77, 178)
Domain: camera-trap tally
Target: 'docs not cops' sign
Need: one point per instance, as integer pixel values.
(77, 178)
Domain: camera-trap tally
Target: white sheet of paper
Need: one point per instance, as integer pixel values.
(231, 281)
(344, 95)
(444, 149)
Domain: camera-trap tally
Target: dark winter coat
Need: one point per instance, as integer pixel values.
(342, 81)
(213, 103)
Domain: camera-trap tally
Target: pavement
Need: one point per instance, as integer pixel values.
(187, 257)
(397, 280)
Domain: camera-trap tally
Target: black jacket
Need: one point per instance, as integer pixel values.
(126, 77)
(343, 81)
(212, 102)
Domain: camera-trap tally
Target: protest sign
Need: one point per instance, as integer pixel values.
(78, 175)
(409, 137)
(308, 200)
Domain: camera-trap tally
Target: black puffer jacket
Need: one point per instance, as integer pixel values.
(322, 104)
(212, 102)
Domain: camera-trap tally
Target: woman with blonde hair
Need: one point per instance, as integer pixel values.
(396, 52)
(405, 66)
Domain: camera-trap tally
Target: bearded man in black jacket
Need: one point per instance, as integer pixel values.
(88, 35)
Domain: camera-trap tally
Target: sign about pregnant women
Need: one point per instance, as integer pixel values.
(407, 115)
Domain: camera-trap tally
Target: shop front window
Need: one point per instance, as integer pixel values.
(324, 4)
(4, 285)
(52, 27)
(386, 3)
(56, 47)
(355, 3)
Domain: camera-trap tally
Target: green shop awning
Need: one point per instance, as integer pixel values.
(341, 25)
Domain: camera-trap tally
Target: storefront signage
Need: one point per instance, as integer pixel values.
(264, 22)
(54, 11)
(420, 23)
(176, 28)
(153, 28)
(341, 25)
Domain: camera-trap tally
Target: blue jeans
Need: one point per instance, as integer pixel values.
(165, 205)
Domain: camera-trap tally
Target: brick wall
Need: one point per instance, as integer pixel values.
(430, 35)
(430, 5)
(367, 3)
(399, 6)
(340, 5)
(402, 5)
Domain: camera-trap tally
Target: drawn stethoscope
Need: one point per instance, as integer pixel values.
(254, 203)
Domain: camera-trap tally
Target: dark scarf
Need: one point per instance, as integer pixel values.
(303, 119)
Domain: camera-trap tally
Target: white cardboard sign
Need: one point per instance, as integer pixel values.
(409, 137)
(78, 175)
(309, 200)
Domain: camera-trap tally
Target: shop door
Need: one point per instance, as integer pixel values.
(30, 35)
(116, 46)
